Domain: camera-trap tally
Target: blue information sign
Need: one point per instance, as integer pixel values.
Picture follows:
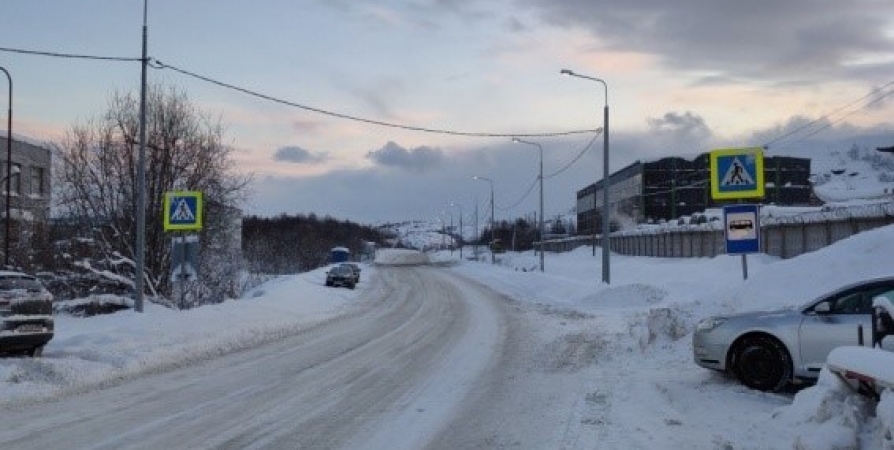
(742, 229)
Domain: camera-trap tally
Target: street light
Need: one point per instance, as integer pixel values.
(461, 239)
(540, 225)
(493, 233)
(8, 168)
(606, 230)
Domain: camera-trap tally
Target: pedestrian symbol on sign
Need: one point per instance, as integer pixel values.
(183, 211)
(737, 175)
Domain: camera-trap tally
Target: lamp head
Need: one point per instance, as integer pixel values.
(566, 72)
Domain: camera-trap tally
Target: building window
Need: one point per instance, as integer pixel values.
(37, 181)
(15, 179)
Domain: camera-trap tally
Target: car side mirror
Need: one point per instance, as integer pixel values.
(822, 308)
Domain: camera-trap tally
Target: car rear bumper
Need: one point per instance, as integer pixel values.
(17, 342)
(18, 334)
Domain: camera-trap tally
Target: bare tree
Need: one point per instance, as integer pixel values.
(96, 167)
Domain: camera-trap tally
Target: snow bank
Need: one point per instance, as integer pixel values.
(397, 257)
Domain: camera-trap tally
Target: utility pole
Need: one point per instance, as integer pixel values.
(140, 251)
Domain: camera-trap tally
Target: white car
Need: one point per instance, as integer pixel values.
(767, 350)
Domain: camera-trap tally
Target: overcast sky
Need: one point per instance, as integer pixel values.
(683, 77)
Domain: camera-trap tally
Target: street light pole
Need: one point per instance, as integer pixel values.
(493, 232)
(540, 225)
(8, 170)
(606, 182)
(461, 238)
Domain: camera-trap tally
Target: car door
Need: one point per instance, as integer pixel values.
(849, 312)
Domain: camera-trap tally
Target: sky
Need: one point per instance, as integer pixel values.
(639, 326)
(682, 78)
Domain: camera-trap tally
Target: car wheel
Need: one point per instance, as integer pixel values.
(36, 352)
(763, 363)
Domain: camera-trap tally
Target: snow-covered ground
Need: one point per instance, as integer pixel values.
(639, 385)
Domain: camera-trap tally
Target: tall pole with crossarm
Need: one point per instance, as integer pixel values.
(606, 183)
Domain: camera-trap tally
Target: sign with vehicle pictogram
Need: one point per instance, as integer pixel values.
(183, 211)
(737, 173)
(742, 229)
(185, 258)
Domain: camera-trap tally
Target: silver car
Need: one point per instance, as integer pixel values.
(768, 350)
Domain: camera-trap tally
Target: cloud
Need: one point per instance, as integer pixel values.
(298, 155)
(419, 159)
(686, 125)
(804, 40)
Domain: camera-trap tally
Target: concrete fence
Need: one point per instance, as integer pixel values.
(785, 237)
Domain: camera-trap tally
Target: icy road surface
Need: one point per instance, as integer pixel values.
(426, 361)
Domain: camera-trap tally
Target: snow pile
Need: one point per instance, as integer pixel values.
(400, 257)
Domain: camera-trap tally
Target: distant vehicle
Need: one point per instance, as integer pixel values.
(768, 350)
(355, 269)
(339, 254)
(340, 275)
(26, 314)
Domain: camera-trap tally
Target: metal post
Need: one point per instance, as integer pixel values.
(493, 231)
(477, 236)
(606, 214)
(461, 238)
(8, 171)
(540, 226)
(141, 180)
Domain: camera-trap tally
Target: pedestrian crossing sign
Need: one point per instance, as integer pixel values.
(183, 211)
(737, 173)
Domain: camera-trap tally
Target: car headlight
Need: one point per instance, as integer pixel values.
(709, 324)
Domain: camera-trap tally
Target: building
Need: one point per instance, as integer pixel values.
(648, 192)
(30, 190)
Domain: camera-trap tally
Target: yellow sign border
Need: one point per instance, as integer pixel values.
(759, 189)
(169, 198)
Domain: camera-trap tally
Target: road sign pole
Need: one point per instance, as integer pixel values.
(183, 274)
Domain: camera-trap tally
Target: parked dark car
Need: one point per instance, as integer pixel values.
(340, 276)
(768, 350)
(355, 269)
(26, 314)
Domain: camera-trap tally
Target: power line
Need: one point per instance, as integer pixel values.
(69, 55)
(156, 64)
(836, 111)
(576, 158)
(160, 65)
(563, 169)
(523, 197)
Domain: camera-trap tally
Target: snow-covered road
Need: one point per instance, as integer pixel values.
(389, 374)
